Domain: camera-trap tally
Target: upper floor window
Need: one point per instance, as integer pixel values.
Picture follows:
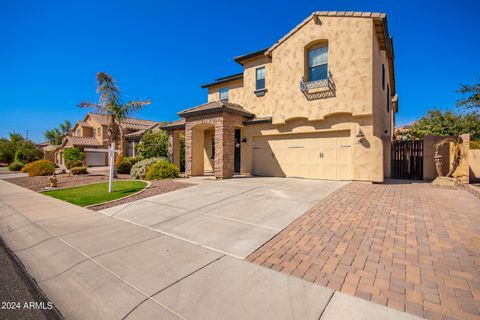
(318, 63)
(224, 93)
(93, 135)
(260, 78)
(78, 133)
(98, 132)
(383, 76)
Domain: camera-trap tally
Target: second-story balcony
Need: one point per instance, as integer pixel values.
(317, 89)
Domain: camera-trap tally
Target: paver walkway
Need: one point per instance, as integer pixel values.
(92, 266)
(411, 247)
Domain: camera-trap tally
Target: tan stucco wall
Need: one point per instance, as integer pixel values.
(382, 120)
(349, 61)
(474, 160)
(260, 106)
(235, 93)
(208, 163)
(367, 156)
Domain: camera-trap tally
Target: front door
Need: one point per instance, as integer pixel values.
(237, 151)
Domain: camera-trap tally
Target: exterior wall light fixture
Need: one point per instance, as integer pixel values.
(360, 135)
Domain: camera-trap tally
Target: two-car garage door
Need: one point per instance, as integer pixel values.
(308, 155)
(95, 158)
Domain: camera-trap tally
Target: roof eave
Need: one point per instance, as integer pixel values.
(224, 80)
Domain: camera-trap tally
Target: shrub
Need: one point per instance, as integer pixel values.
(78, 170)
(73, 163)
(132, 160)
(139, 169)
(70, 154)
(153, 144)
(15, 166)
(162, 170)
(28, 152)
(124, 166)
(39, 168)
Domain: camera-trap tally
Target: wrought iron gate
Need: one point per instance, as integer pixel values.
(407, 159)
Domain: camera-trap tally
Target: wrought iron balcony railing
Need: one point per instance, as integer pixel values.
(307, 86)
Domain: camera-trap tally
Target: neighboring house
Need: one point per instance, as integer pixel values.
(92, 132)
(316, 104)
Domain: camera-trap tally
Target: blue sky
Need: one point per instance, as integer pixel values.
(50, 51)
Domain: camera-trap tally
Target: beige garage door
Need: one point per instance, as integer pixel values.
(312, 155)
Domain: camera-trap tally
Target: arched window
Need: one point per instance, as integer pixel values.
(318, 63)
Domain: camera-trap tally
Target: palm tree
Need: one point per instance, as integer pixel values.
(55, 135)
(111, 105)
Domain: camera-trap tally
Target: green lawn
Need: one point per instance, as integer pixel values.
(97, 193)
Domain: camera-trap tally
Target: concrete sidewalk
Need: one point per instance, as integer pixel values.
(96, 267)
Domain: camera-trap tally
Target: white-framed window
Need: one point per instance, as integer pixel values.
(260, 78)
(93, 135)
(318, 63)
(78, 132)
(223, 93)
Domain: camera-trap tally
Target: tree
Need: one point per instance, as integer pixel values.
(153, 144)
(446, 123)
(472, 101)
(55, 135)
(110, 104)
(18, 149)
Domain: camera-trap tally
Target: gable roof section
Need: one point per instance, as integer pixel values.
(216, 106)
(242, 58)
(128, 123)
(315, 15)
(82, 142)
(237, 76)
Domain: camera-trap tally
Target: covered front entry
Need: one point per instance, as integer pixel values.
(307, 155)
(212, 138)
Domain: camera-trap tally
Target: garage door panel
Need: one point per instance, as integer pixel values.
(95, 158)
(315, 155)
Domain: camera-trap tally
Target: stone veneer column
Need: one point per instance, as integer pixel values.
(174, 147)
(225, 145)
(188, 148)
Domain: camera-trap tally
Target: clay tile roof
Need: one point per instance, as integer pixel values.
(139, 133)
(84, 124)
(128, 123)
(177, 124)
(84, 142)
(216, 106)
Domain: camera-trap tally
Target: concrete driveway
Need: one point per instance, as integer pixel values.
(233, 217)
(92, 266)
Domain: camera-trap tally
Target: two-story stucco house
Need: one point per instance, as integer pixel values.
(316, 104)
(92, 133)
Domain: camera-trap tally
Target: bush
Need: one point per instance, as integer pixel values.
(15, 166)
(39, 168)
(139, 169)
(71, 154)
(28, 152)
(153, 144)
(124, 166)
(78, 170)
(132, 160)
(73, 163)
(162, 170)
